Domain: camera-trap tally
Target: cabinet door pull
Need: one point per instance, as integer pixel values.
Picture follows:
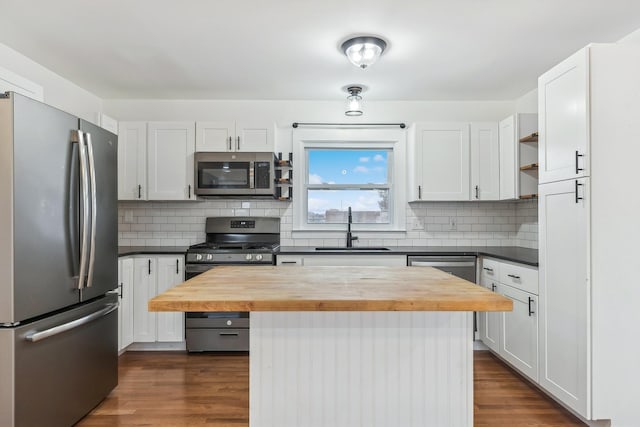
(513, 276)
(238, 146)
(230, 148)
(493, 287)
(578, 198)
(149, 267)
(420, 192)
(139, 191)
(189, 191)
(578, 169)
(477, 195)
(488, 269)
(177, 266)
(531, 312)
(121, 290)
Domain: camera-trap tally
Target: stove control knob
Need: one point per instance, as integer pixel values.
(229, 323)
(209, 257)
(259, 257)
(248, 257)
(198, 257)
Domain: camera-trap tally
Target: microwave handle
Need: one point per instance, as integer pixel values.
(252, 176)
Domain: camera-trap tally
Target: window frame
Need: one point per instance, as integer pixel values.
(393, 140)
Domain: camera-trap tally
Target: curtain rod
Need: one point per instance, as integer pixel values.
(401, 125)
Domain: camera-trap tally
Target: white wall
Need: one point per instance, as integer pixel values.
(631, 38)
(527, 103)
(58, 91)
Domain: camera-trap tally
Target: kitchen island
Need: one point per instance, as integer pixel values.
(349, 346)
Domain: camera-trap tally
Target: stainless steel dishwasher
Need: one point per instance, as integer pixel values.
(463, 266)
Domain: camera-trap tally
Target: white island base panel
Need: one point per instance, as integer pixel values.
(373, 369)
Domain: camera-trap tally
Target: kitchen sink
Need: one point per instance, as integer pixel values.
(359, 248)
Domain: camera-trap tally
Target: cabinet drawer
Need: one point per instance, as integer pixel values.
(289, 260)
(490, 269)
(217, 339)
(520, 277)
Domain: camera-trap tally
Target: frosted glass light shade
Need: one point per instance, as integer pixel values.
(363, 51)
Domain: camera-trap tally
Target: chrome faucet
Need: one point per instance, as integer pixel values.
(350, 237)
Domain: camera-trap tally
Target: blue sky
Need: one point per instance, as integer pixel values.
(348, 166)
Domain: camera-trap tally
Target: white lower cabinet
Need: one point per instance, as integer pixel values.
(153, 275)
(488, 321)
(519, 332)
(513, 335)
(125, 311)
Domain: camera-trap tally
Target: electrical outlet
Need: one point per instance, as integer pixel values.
(453, 223)
(417, 224)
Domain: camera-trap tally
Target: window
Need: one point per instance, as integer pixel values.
(341, 178)
(354, 168)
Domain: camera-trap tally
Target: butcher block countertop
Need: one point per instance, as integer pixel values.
(271, 288)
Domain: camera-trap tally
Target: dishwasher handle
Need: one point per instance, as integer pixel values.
(415, 263)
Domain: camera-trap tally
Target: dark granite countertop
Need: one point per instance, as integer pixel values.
(151, 250)
(508, 253)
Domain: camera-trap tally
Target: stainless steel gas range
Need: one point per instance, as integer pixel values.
(229, 241)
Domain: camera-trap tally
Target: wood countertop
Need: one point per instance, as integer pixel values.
(271, 288)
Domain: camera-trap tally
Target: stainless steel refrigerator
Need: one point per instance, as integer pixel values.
(58, 264)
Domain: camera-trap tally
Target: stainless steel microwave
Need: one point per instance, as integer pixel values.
(234, 174)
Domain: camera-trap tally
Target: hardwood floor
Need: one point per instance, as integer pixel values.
(176, 389)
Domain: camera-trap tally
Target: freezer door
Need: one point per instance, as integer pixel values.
(45, 211)
(60, 377)
(104, 254)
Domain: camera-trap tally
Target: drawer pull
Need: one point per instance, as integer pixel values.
(488, 269)
(513, 276)
(289, 262)
(229, 334)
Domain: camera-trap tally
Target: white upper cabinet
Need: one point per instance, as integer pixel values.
(234, 136)
(132, 161)
(442, 153)
(170, 151)
(563, 97)
(215, 136)
(508, 159)
(485, 161)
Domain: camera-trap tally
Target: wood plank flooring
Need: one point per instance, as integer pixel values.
(176, 389)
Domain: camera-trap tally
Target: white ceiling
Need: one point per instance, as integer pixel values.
(289, 49)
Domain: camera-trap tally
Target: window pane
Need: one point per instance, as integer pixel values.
(335, 166)
(331, 206)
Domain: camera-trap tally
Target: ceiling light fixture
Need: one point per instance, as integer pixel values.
(363, 51)
(354, 101)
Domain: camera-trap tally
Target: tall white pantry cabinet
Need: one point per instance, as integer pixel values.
(589, 112)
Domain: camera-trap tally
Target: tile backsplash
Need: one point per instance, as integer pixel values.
(428, 224)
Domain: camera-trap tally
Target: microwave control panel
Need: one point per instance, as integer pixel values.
(263, 174)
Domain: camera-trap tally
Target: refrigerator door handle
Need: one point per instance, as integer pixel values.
(94, 209)
(78, 137)
(56, 330)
